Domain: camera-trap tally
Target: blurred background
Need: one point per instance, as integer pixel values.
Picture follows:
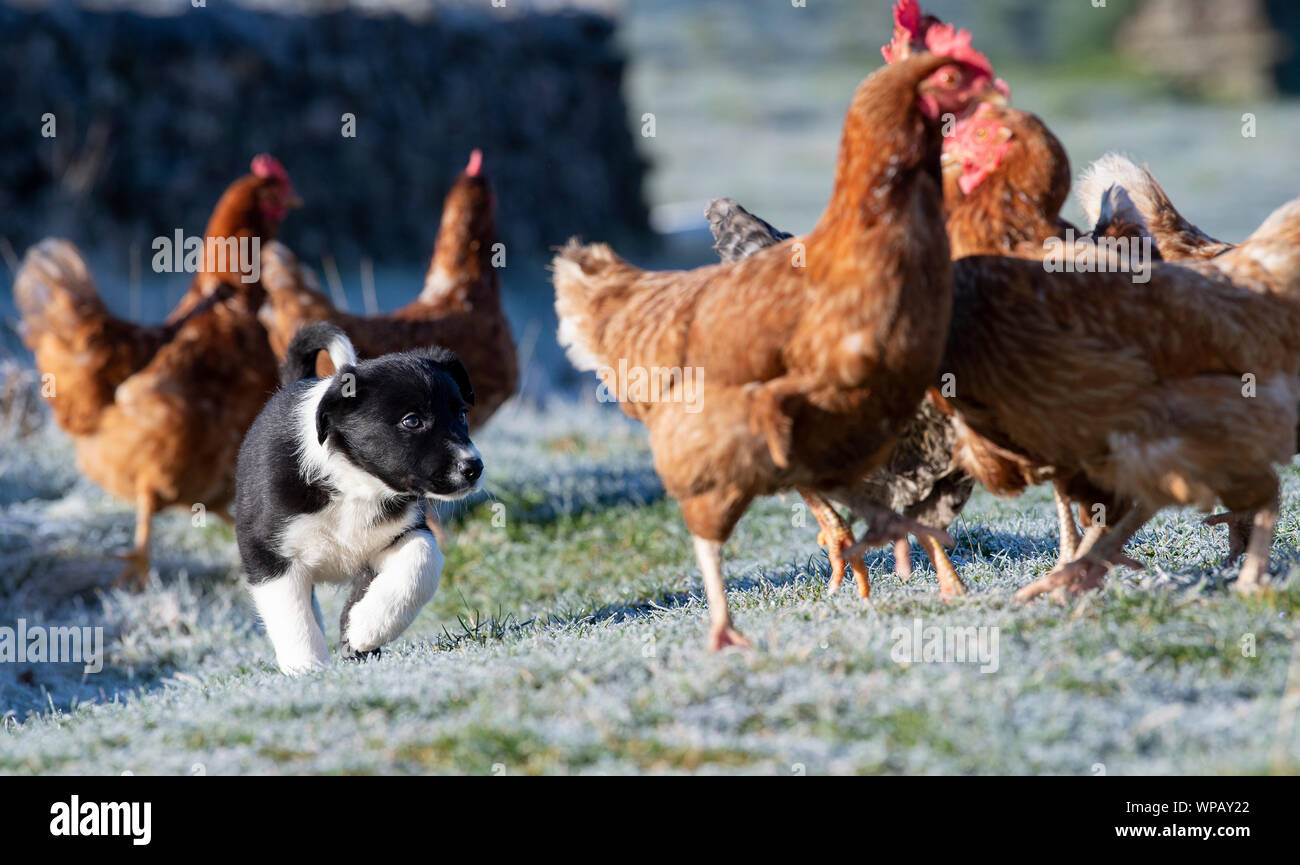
(614, 120)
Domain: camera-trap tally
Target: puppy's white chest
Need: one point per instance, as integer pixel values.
(334, 543)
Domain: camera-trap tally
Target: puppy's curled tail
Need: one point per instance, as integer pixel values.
(309, 341)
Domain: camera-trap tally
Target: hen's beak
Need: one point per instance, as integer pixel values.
(293, 201)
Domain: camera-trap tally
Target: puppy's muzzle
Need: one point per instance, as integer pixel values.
(465, 478)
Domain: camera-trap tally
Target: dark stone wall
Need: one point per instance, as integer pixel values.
(155, 115)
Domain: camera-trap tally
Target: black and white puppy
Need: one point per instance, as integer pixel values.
(331, 487)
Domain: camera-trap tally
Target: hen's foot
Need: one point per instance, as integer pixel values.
(723, 634)
(1077, 577)
(950, 584)
(134, 577)
(836, 536)
(1073, 578)
(889, 526)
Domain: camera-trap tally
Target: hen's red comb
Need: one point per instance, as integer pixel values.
(475, 163)
(907, 15)
(946, 41)
(267, 167)
(909, 27)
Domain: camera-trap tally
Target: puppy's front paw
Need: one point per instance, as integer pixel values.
(350, 654)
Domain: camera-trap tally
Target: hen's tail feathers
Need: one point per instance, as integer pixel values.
(737, 233)
(83, 350)
(307, 343)
(55, 293)
(1175, 236)
(578, 289)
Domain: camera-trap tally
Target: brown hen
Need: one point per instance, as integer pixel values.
(157, 413)
(459, 309)
(813, 352)
(1128, 391)
(1005, 178)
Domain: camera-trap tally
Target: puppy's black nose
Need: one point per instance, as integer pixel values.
(471, 469)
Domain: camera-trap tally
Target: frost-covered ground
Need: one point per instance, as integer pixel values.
(568, 635)
(568, 632)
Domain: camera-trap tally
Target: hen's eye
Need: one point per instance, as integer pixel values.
(411, 421)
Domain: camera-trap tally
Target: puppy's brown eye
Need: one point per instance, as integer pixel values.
(412, 421)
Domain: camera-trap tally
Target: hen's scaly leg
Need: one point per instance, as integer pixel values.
(136, 573)
(950, 584)
(1254, 570)
(1090, 538)
(1065, 519)
(835, 535)
(721, 632)
(1239, 525)
(903, 559)
(1100, 550)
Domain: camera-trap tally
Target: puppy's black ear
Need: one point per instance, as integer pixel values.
(450, 364)
(343, 386)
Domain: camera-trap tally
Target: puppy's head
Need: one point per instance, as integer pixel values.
(401, 419)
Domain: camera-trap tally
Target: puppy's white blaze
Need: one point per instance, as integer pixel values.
(406, 577)
(286, 606)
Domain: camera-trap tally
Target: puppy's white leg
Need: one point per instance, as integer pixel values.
(406, 576)
(286, 605)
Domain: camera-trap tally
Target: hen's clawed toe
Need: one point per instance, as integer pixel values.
(722, 636)
(134, 576)
(1076, 578)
